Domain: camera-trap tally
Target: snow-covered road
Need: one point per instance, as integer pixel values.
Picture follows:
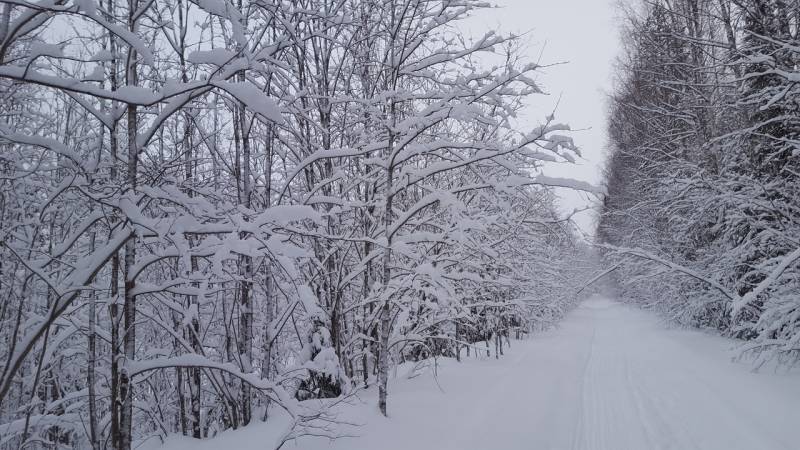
(609, 377)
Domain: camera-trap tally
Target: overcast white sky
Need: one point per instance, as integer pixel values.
(583, 35)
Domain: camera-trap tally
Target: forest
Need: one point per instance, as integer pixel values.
(703, 175)
(212, 211)
(291, 223)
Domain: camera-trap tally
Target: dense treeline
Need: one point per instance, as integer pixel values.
(703, 205)
(211, 210)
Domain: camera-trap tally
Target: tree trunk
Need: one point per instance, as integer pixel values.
(457, 343)
(129, 300)
(113, 309)
(245, 262)
(269, 317)
(92, 363)
(385, 325)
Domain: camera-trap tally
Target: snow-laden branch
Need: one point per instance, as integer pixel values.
(738, 302)
(643, 254)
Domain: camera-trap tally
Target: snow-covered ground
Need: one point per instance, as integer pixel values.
(609, 377)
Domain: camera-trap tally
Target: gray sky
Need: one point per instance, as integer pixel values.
(583, 35)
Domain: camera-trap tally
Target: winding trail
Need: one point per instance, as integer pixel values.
(609, 377)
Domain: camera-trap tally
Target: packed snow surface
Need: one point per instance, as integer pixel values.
(608, 377)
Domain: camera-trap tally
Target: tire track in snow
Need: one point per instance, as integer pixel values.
(580, 425)
(664, 433)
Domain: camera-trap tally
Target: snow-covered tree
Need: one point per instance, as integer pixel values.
(702, 187)
(211, 211)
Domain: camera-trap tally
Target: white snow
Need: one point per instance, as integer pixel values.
(255, 99)
(608, 377)
(39, 48)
